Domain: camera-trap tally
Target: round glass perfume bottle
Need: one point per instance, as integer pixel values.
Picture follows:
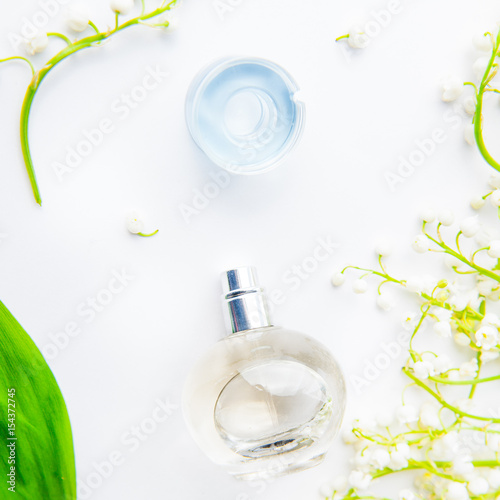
(244, 114)
(264, 401)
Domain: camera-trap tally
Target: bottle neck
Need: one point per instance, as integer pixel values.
(244, 302)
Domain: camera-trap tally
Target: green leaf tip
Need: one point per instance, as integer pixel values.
(34, 420)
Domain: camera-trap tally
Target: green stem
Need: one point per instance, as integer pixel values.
(460, 257)
(388, 278)
(472, 84)
(94, 27)
(25, 110)
(430, 468)
(478, 115)
(148, 235)
(61, 36)
(476, 252)
(419, 324)
(475, 381)
(416, 465)
(377, 273)
(457, 242)
(440, 400)
(38, 78)
(21, 59)
(479, 365)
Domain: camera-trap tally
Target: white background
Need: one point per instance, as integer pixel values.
(365, 109)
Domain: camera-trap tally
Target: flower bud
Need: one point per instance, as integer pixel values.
(358, 39)
(122, 6)
(134, 223)
(452, 87)
(77, 17)
(37, 44)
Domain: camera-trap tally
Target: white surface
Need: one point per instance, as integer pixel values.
(364, 111)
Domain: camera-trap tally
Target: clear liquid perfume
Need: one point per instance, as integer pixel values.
(264, 401)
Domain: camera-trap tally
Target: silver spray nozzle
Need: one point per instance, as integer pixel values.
(244, 301)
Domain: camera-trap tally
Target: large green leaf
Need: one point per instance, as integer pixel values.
(44, 457)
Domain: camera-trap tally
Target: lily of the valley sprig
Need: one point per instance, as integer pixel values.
(79, 21)
(441, 429)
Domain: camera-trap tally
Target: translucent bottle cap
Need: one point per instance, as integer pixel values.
(244, 114)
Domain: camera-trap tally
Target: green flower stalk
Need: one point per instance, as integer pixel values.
(485, 86)
(153, 19)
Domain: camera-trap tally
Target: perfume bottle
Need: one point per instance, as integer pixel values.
(264, 401)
